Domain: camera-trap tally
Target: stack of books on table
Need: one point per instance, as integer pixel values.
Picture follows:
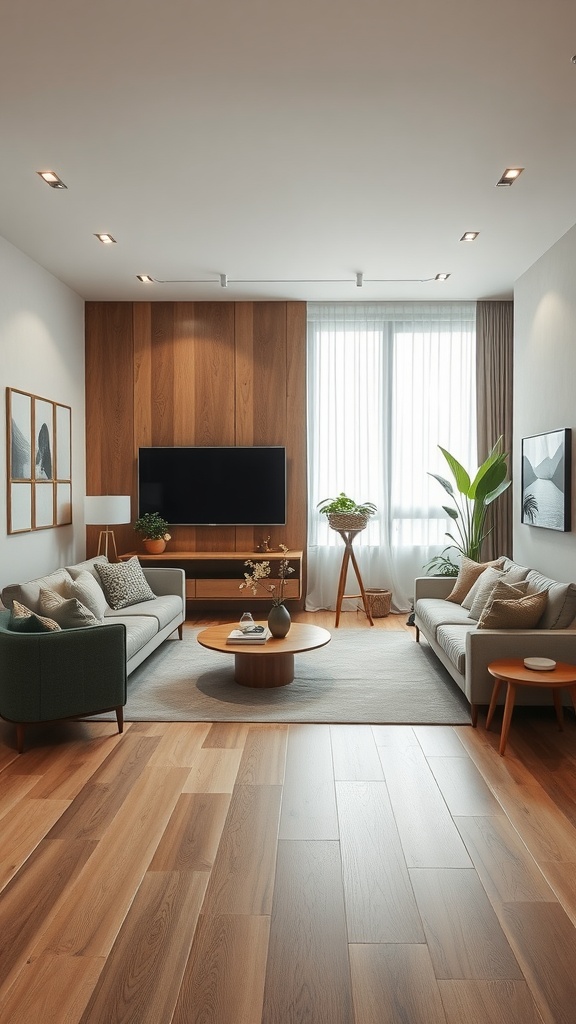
(254, 635)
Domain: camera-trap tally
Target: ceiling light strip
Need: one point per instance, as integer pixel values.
(291, 280)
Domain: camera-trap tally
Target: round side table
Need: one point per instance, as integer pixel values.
(514, 673)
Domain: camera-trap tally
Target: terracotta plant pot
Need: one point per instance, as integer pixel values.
(154, 547)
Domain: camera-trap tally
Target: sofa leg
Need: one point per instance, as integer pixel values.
(180, 637)
(417, 634)
(120, 718)
(474, 713)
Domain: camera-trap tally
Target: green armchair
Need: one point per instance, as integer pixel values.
(46, 677)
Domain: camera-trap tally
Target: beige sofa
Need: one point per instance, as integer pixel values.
(466, 651)
(147, 624)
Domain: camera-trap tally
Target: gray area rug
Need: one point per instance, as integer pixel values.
(373, 676)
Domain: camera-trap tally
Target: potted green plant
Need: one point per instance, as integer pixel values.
(472, 499)
(343, 513)
(154, 531)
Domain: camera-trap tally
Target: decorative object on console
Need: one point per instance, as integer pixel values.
(546, 463)
(280, 622)
(108, 509)
(153, 528)
(39, 491)
(343, 513)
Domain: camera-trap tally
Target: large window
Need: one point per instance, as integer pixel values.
(387, 384)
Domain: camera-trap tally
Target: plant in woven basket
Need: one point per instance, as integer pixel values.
(344, 513)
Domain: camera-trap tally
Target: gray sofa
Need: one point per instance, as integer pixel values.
(466, 651)
(147, 624)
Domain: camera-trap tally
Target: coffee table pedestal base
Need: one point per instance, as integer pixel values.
(253, 670)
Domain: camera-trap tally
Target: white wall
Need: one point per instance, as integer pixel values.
(42, 352)
(545, 389)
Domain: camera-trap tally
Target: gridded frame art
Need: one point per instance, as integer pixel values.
(39, 461)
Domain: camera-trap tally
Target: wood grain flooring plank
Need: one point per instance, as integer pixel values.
(394, 983)
(462, 931)
(400, 736)
(23, 829)
(29, 901)
(143, 973)
(13, 789)
(438, 741)
(507, 870)
(462, 786)
(179, 745)
(544, 941)
(108, 884)
(264, 758)
(242, 879)
(63, 743)
(214, 770)
(488, 1002)
(309, 800)
(429, 836)
(51, 990)
(224, 978)
(354, 754)
(190, 841)
(226, 734)
(378, 896)
(308, 973)
(546, 831)
(64, 780)
(562, 880)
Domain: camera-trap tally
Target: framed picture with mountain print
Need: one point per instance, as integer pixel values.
(546, 477)
(39, 460)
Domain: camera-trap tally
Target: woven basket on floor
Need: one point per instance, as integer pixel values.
(347, 521)
(379, 602)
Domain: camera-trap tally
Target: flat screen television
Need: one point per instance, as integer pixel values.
(205, 486)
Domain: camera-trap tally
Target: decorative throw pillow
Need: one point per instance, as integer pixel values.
(86, 590)
(22, 620)
(69, 614)
(467, 576)
(124, 583)
(501, 590)
(482, 588)
(520, 613)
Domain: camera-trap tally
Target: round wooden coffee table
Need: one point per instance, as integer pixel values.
(513, 672)
(269, 664)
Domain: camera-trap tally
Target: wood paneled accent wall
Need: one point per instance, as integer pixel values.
(195, 373)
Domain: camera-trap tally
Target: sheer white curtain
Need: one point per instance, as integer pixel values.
(387, 383)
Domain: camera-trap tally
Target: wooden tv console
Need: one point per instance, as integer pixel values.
(217, 575)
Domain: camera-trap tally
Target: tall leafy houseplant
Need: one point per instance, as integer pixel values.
(472, 499)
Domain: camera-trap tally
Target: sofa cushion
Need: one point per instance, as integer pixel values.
(139, 630)
(502, 588)
(28, 594)
(561, 607)
(514, 573)
(124, 583)
(434, 612)
(452, 639)
(163, 609)
(22, 620)
(481, 588)
(86, 590)
(467, 576)
(517, 613)
(68, 613)
(87, 566)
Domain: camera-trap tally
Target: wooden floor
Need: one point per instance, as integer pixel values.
(289, 874)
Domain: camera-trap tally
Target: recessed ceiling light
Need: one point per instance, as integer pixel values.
(145, 278)
(107, 239)
(52, 179)
(510, 175)
(469, 236)
(442, 277)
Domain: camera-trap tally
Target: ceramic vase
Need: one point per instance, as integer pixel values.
(154, 547)
(279, 620)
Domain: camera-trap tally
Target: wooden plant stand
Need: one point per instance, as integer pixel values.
(348, 538)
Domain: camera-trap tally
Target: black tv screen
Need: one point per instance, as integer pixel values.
(200, 486)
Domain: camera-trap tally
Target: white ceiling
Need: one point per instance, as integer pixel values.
(302, 141)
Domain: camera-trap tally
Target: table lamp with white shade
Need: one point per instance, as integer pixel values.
(109, 510)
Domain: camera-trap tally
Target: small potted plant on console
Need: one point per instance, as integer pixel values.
(154, 531)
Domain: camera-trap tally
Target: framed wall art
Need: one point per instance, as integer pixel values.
(546, 466)
(39, 460)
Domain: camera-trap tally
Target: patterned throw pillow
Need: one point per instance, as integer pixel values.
(69, 614)
(519, 613)
(124, 583)
(469, 573)
(501, 590)
(86, 590)
(23, 620)
(482, 586)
